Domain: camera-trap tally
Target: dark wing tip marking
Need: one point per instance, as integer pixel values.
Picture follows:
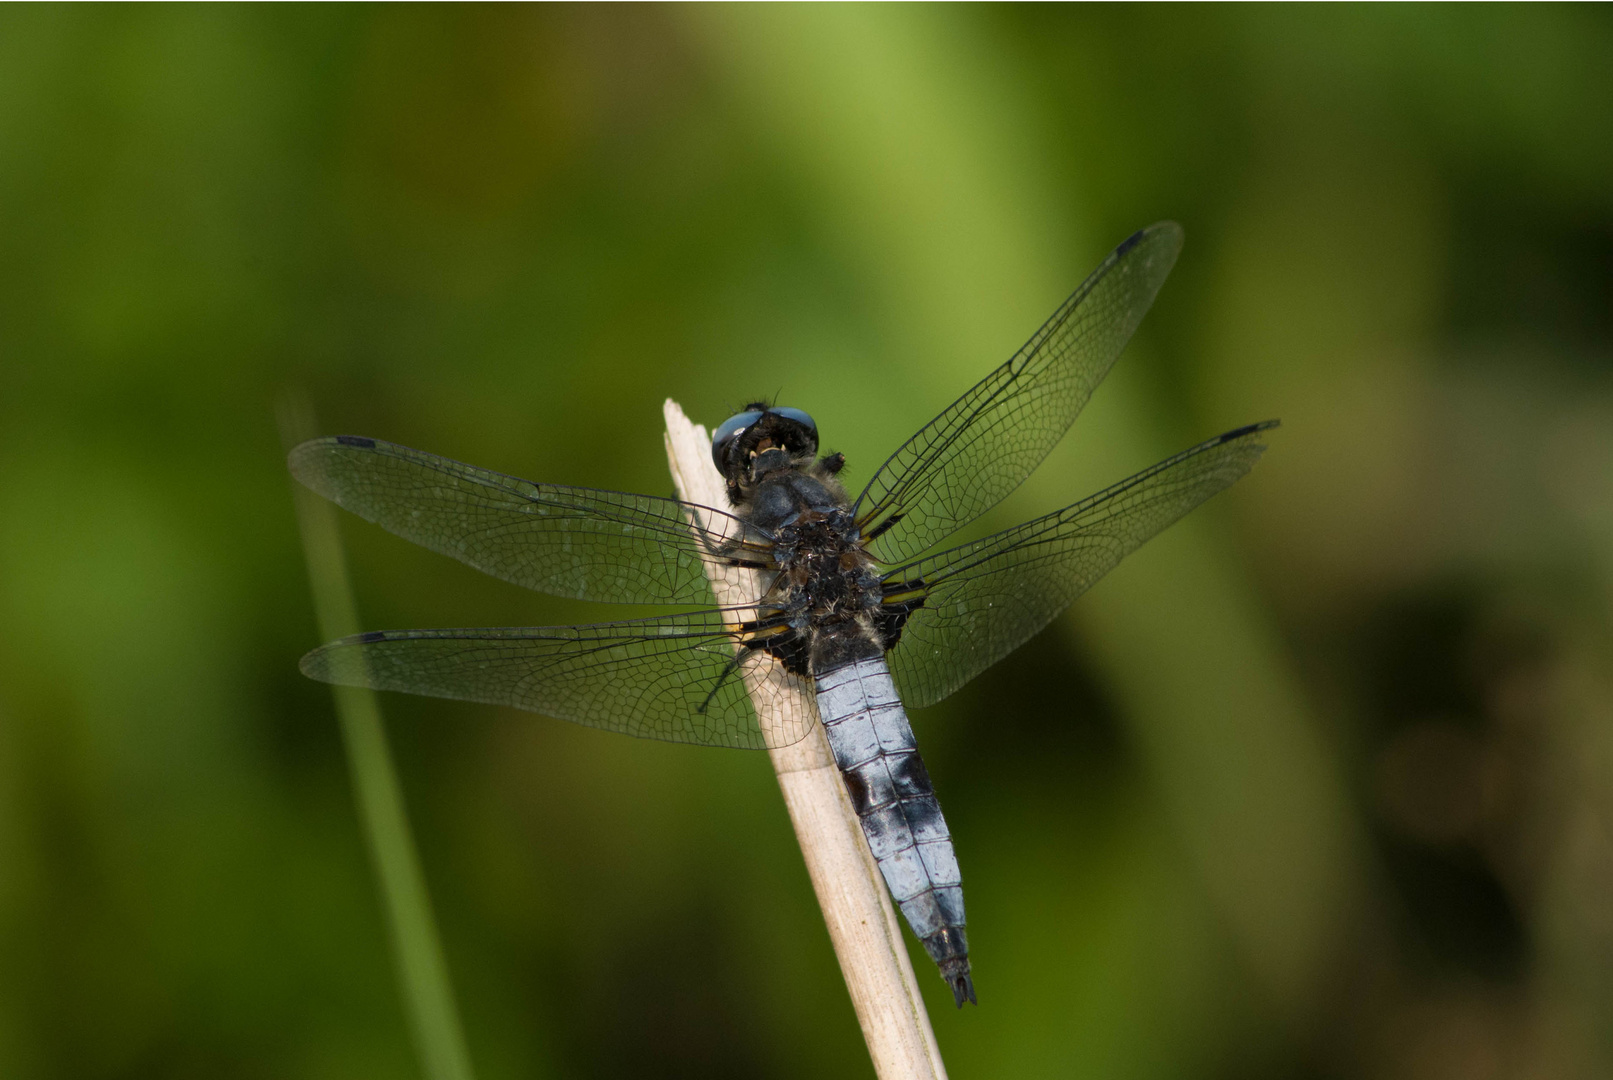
(1130, 242)
(1142, 234)
(355, 440)
(326, 663)
(1248, 429)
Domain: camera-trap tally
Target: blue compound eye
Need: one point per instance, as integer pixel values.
(731, 429)
(800, 418)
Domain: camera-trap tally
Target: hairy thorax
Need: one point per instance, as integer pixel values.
(826, 586)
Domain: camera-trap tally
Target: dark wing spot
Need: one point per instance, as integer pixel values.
(1248, 429)
(1130, 242)
(893, 614)
(370, 635)
(875, 532)
(791, 648)
(355, 440)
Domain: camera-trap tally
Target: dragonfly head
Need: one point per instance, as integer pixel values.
(760, 440)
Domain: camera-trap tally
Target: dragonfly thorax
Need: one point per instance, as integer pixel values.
(789, 496)
(825, 585)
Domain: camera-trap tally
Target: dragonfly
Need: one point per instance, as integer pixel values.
(861, 602)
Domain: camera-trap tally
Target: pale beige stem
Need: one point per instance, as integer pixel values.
(857, 908)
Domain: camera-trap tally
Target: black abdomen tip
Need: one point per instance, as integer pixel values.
(956, 973)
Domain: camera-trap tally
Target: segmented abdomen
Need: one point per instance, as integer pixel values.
(891, 792)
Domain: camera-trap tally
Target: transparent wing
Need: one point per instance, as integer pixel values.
(669, 678)
(973, 605)
(987, 442)
(568, 541)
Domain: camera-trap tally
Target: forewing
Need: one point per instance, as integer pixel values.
(983, 600)
(987, 442)
(668, 678)
(567, 541)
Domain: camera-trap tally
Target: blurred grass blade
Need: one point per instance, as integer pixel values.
(422, 972)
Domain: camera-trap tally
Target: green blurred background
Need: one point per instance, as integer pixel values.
(1315, 785)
